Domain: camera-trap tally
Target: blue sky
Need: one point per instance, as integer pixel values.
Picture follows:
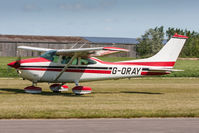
(101, 18)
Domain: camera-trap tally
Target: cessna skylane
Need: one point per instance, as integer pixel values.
(61, 66)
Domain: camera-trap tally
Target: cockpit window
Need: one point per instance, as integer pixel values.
(49, 55)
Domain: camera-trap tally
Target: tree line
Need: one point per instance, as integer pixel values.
(153, 40)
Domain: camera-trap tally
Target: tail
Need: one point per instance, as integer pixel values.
(168, 55)
(171, 50)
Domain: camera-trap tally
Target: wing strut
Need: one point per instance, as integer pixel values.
(66, 66)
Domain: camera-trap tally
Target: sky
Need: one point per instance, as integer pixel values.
(96, 18)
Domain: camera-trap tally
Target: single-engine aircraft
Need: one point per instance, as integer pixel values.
(61, 66)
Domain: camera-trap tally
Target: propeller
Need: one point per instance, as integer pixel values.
(16, 64)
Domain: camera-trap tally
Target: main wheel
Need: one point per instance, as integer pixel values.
(33, 90)
(81, 90)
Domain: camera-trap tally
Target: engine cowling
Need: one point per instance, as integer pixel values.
(80, 90)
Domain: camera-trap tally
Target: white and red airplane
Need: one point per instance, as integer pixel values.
(61, 66)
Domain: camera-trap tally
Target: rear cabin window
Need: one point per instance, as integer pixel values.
(87, 61)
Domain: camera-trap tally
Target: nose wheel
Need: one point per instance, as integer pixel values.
(33, 89)
(58, 87)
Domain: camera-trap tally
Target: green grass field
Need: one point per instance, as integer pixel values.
(190, 67)
(147, 97)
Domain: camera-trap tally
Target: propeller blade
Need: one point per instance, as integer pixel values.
(18, 62)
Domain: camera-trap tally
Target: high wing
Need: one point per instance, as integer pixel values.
(85, 52)
(80, 52)
(34, 48)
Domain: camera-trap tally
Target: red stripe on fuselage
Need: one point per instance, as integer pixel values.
(40, 59)
(34, 60)
(69, 70)
(137, 63)
(154, 73)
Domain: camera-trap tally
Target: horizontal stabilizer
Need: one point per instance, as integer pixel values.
(164, 69)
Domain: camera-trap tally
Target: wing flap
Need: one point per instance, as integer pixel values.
(109, 50)
(98, 51)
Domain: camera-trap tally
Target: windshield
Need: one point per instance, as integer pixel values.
(50, 55)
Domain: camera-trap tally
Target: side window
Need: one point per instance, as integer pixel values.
(84, 61)
(91, 61)
(55, 59)
(75, 61)
(65, 60)
(87, 61)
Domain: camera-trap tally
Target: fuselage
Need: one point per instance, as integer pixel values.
(43, 70)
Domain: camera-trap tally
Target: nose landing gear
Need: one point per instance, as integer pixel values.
(58, 87)
(33, 89)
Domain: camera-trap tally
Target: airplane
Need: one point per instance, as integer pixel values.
(61, 66)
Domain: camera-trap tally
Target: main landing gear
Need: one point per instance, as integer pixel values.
(81, 90)
(78, 90)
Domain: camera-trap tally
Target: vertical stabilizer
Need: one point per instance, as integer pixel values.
(169, 53)
(171, 50)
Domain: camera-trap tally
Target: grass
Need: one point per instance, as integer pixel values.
(148, 97)
(6, 71)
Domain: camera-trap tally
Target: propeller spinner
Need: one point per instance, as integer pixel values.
(16, 64)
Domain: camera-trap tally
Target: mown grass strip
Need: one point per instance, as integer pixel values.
(150, 97)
